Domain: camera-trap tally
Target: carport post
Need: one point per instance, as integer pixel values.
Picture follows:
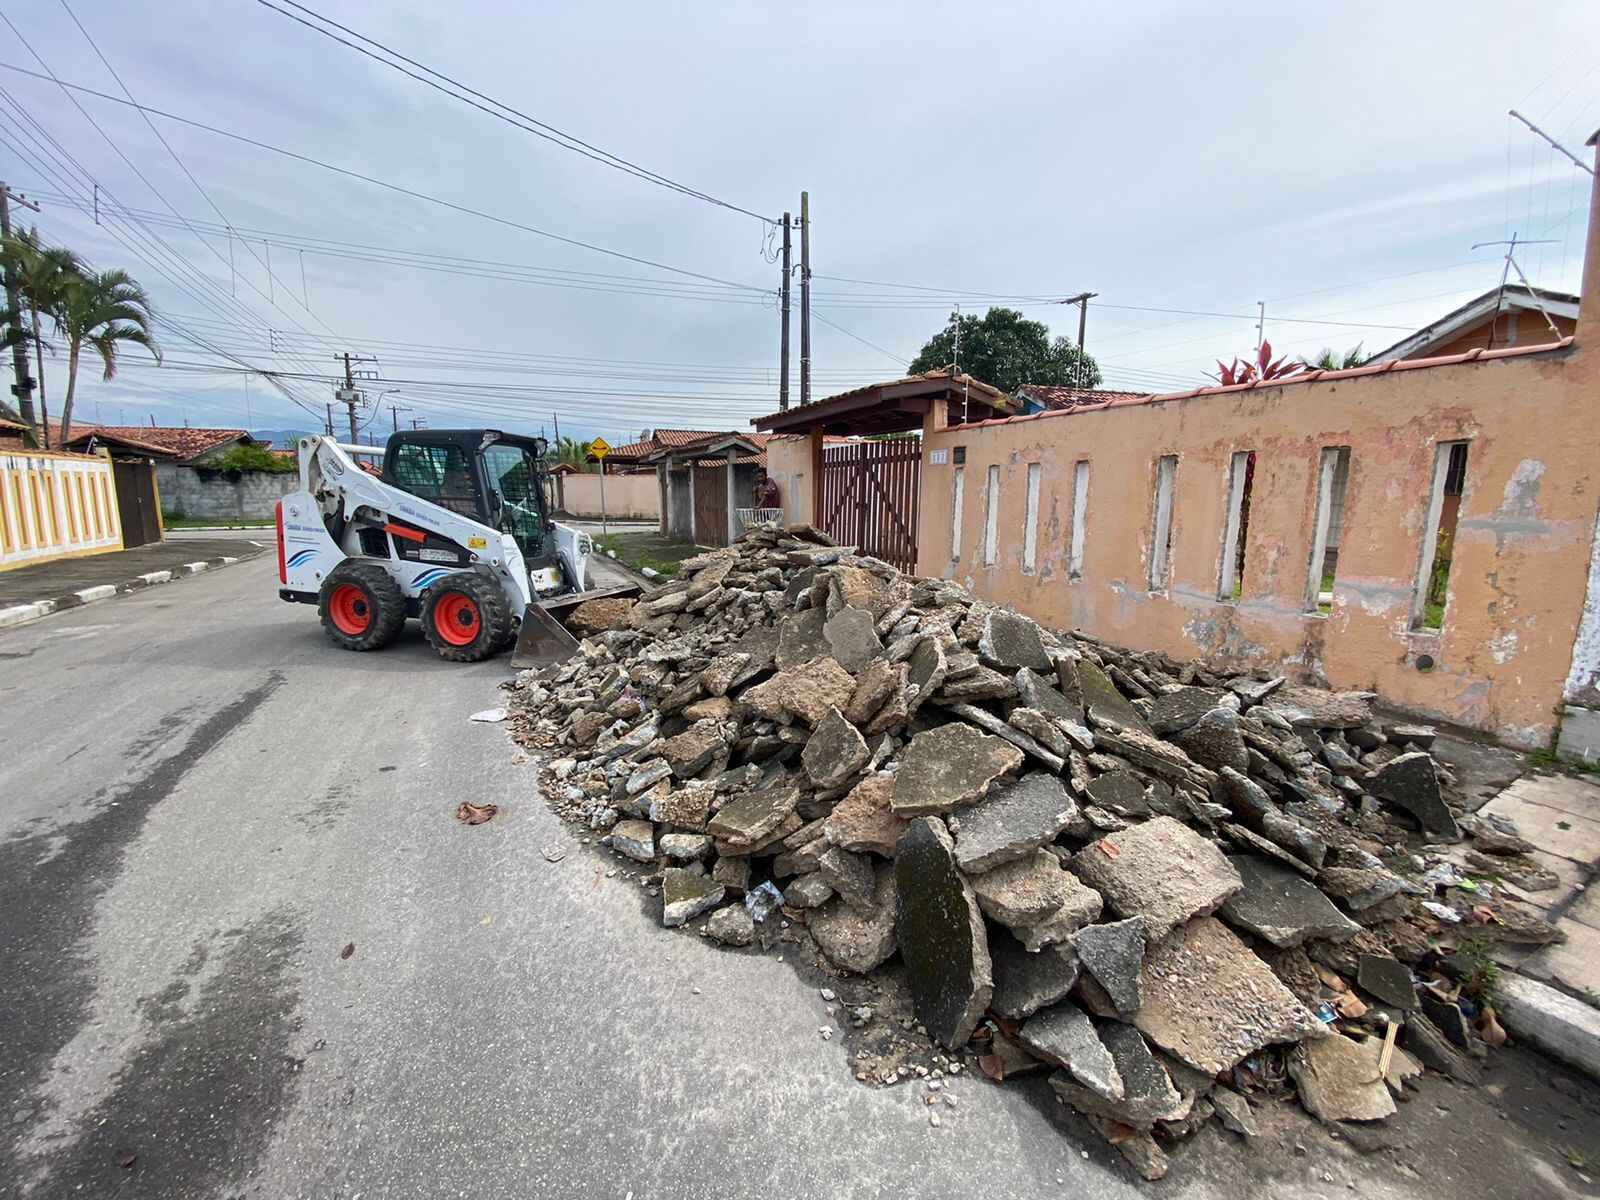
(733, 530)
(815, 517)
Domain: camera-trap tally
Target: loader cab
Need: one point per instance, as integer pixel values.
(494, 478)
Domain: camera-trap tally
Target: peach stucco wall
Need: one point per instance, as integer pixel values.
(1521, 558)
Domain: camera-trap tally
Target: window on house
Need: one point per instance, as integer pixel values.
(1439, 536)
(955, 514)
(1236, 531)
(1328, 531)
(1080, 498)
(1030, 527)
(1161, 532)
(991, 533)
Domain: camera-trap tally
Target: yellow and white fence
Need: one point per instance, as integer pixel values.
(55, 506)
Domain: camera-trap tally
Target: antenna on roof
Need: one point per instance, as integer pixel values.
(1511, 265)
(1578, 162)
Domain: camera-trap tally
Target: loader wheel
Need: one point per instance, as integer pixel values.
(361, 605)
(465, 617)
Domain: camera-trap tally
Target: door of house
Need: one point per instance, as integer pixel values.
(870, 496)
(710, 505)
(136, 501)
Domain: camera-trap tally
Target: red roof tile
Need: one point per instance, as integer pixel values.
(1053, 396)
(183, 442)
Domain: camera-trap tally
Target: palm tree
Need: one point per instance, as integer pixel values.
(101, 308)
(43, 274)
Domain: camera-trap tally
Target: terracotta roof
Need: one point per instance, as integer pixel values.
(1053, 396)
(977, 386)
(1400, 364)
(183, 442)
(1478, 310)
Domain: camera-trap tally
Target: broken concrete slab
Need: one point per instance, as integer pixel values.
(926, 670)
(1386, 979)
(1337, 1081)
(947, 766)
(1215, 741)
(732, 926)
(836, 750)
(1210, 1002)
(1147, 1092)
(1234, 1111)
(745, 820)
(852, 876)
(941, 934)
(683, 847)
(1065, 1037)
(1113, 954)
(1281, 907)
(1120, 792)
(857, 941)
(1025, 891)
(687, 807)
(1010, 642)
(1002, 729)
(1037, 692)
(863, 821)
(1105, 705)
(689, 752)
(686, 894)
(1411, 783)
(1175, 711)
(808, 891)
(810, 690)
(1313, 708)
(1024, 983)
(1013, 820)
(852, 636)
(1161, 870)
(880, 680)
(1082, 906)
(636, 839)
(800, 638)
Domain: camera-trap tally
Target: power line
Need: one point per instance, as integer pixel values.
(538, 128)
(873, 345)
(381, 183)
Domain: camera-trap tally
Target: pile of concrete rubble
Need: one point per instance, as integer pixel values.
(1174, 887)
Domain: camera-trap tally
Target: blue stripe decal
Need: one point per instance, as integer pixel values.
(428, 577)
(299, 557)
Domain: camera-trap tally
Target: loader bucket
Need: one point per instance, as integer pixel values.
(542, 640)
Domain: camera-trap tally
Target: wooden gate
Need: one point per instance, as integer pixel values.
(136, 501)
(710, 505)
(870, 497)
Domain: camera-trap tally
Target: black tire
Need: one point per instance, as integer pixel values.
(361, 606)
(465, 617)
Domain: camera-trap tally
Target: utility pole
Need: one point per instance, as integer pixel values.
(1261, 324)
(348, 395)
(22, 389)
(805, 298)
(783, 344)
(555, 418)
(328, 426)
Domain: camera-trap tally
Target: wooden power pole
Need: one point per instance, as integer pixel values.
(805, 298)
(783, 345)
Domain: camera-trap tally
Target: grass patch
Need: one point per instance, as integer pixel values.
(648, 549)
(172, 521)
(1545, 759)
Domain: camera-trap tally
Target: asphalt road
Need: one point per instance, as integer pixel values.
(202, 802)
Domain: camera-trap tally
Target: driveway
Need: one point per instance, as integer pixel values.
(203, 803)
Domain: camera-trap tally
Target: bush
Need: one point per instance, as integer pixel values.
(253, 457)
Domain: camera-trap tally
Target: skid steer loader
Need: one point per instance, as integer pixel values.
(456, 532)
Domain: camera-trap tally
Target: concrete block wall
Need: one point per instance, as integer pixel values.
(204, 493)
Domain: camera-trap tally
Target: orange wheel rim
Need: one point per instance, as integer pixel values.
(456, 619)
(350, 609)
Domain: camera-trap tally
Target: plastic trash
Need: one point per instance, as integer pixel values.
(1443, 911)
(761, 902)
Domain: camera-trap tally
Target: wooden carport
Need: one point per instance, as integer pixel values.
(703, 486)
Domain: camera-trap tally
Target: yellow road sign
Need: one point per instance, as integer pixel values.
(599, 447)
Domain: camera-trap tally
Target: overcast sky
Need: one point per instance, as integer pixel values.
(1336, 161)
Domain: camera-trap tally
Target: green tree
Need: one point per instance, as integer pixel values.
(102, 309)
(1006, 350)
(573, 453)
(43, 274)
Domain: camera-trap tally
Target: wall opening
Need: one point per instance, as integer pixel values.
(1328, 531)
(1030, 526)
(955, 514)
(1080, 498)
(1161, 531)
(991, 533)
(1236, 530)
(1439, 536)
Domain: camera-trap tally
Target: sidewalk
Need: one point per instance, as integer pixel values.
(30, 592)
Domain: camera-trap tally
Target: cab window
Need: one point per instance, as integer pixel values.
(437, 473)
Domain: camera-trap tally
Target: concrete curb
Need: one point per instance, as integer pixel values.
(19, 614)
(1554, 1022)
